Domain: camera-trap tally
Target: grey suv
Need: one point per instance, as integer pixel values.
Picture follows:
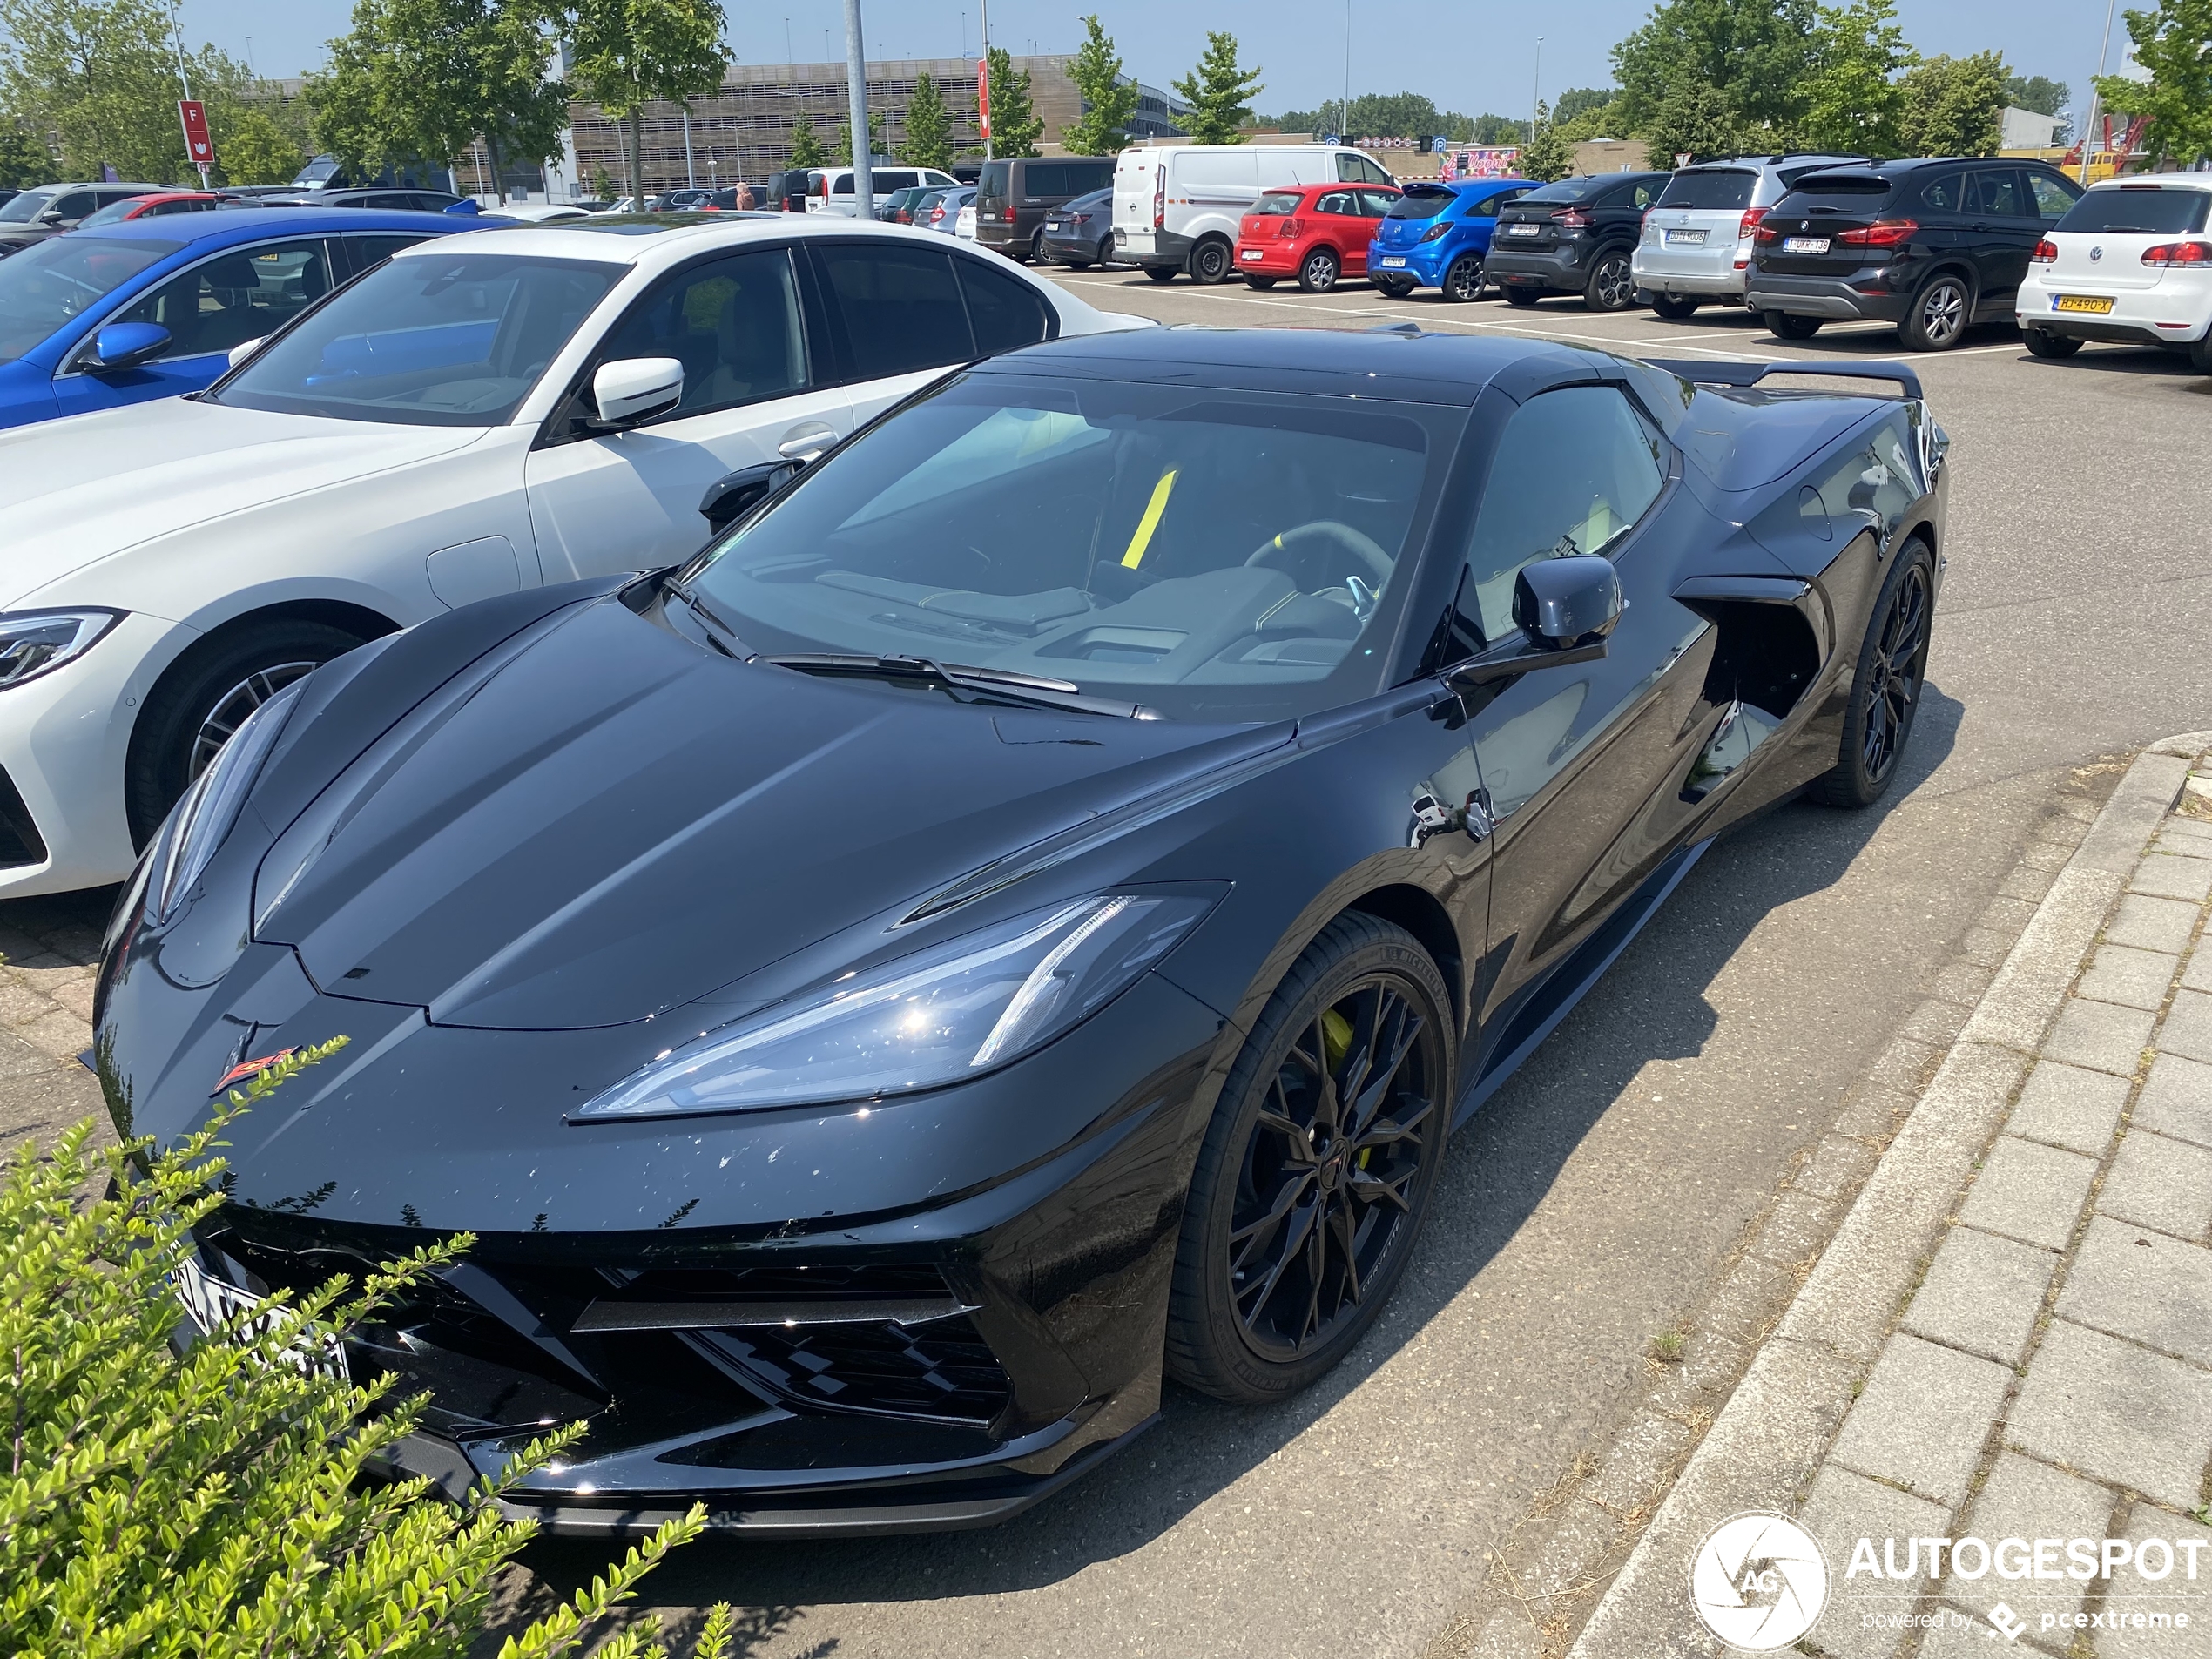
(1697, 244)
(51, 209)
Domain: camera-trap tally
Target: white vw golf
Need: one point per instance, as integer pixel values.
(482, 414)
(2130, 262)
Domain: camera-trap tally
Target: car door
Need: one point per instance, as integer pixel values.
(210, 306)
(604, 502)
(2006, 226)
(1373, 203)
(1573, 757)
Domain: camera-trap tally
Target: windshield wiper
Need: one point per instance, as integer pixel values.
(719, 634)
(1033, 689)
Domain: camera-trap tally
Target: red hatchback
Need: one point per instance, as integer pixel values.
(1314, 233)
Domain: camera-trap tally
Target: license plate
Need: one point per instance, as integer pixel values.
(1251, 253)
(1393, 259)
(1523, 230)
(1805, 245)
(2096, 305)
(1054, 225)
(1685, 238)
(209, 1303)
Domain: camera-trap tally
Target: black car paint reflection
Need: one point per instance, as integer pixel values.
(518, 852)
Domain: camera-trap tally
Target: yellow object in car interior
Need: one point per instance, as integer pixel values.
(1150, 521)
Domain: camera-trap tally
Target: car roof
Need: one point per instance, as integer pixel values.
(2157, 181)
(659, 240)
(249, 224)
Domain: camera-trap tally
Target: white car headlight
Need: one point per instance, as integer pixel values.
(939, 1017)
(34, 642)
(199, 823)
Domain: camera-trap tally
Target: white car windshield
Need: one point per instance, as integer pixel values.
(443, 339)
(45, 287)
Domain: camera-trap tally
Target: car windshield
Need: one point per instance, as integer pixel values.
(1276, 203)
(443, 339)
(1724, 188)
(26, 207)
(2149, 210)
(1417, 203)
(46, 287)
(1217, 555)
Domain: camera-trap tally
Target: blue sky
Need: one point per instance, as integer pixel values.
(1467, 55)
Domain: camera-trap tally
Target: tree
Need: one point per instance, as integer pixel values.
(805, 149)
(842, 156)
(625, 54)
(1547, 155)
(2174, 43)
(1951, 106)
(2038, 93)
(1853, 103)
(929, 128)
(1754, 53)
(1698, 121)
(1578, 100)
(1219, 91)
(1109, 96)
(1015, 126)
(24, 161)
(254, 149)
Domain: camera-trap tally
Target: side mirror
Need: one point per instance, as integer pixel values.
(52, 216)
(730, 496)
(244, 349)
(637, 388)
(1565, 602)
(125, 344)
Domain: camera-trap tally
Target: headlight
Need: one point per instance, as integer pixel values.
(199, 823)
(924, 1021)
(32, 642)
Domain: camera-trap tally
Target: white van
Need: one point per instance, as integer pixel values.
(829, 189)
(1177, 207)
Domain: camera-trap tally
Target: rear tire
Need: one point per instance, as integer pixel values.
(1938, 317)
(1317, 272)
(1886, 689)
(1464, 280)
(2201, 353)
(1209, 261)
(1612, 284)
(1674, 307)
(2041, 342)
(1105, 250)
(1521, 297)
(1304, 1204)
(1782, 324)
(1036, 247)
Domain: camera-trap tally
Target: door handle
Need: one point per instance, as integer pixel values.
(807, 441)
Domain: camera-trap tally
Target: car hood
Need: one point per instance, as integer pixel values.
(73, 492)
(608, 822)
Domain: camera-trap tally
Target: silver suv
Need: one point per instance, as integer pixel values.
(1697, 244)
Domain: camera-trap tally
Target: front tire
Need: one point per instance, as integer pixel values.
(1783, 326)
(202, 699)
(1464, 280)
(1674, 307)
(1885, 691)
(1318, 272)
(2041, 342)
(1209, 261)
(1612, 284)
(1939, 315)
(1317, 1168)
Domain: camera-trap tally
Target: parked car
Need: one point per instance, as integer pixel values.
(528, 405)
(49, 210)
(1697, 244)
(687, 196)
(786, 190)
(121, 313)
(393, 198)
(2130, 262)
(940, 210)
(1315, 233)
(1438, 235)
(829, 189)
(537, 212)
(1177, 208)
(854, 1171)
(1014, 196)
(159, 204)
(897, 209)
(1576, 236)
(964, 220)
(1080, 233)
(1933, 246)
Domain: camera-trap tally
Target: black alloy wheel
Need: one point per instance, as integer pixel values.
(1162, 272)
(1885, 691)
(1318, 273)
(1210, 260)
(1464, 280)
(1036, 247)
(1612, 286)
(1674, 307)
(2041, 342)
(1317, 1168)
(1939, 313)
(1784, 325)
(1520, 296)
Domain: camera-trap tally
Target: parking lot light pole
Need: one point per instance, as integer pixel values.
(691, 174)
(2103, 52)
(1536, 89)
(856, 77)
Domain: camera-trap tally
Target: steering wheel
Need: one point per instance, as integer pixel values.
(1295, 547)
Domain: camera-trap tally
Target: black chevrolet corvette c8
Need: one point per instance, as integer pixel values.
(1018, 916)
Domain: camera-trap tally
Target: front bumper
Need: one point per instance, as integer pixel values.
(2169, 314)
(1836, 297)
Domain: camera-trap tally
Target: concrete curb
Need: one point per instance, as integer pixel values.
(1776, 1426)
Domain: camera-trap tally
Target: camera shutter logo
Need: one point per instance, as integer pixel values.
(1758, 1581)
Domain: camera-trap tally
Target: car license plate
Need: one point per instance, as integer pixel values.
(1251, 253)
(1522, 230)
(1054, 225)
(209, 1303)
(1393, 259)
(2096, 305)
(1685, 238)
(1805, 245)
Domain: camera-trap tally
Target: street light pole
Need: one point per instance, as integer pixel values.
(691, 173)
(1536, 89)
(989, 147)
(856, 78)
(2103, 52)
(1344, 114)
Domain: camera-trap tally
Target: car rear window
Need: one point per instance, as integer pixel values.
(1843, 184)
(1276, 202)
(1566, 190)
(1420, 204)
(2151, 210)
(1725, 188)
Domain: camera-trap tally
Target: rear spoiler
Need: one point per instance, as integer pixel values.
(1710, 374)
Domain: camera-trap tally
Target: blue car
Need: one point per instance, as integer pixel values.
(1437, 236)
(152, 308)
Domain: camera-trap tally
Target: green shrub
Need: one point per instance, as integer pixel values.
(214, 1505)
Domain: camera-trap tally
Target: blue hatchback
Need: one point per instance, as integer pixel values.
(95, 319)
(1437, 236)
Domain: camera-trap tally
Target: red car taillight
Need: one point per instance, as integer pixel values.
(1160, 201)
(1765, 233)
(1883, 232)
(1749, 223)
(2045, 252)
(1435, 232)
(1571, 218)
(1292, 227)
(2167, 253)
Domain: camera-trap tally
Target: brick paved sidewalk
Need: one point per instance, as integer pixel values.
(51, 948)
(2041, 1363)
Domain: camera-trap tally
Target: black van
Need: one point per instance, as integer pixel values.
(1013, 195)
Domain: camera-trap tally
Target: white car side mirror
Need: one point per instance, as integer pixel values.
(634, 389)
(245, 349)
